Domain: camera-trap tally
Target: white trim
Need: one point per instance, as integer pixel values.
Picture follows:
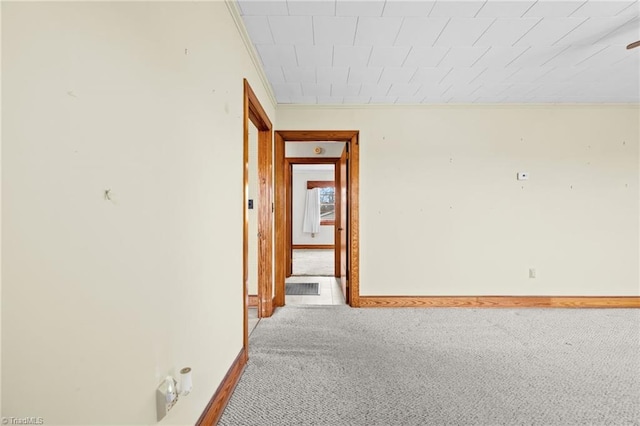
(232, 5)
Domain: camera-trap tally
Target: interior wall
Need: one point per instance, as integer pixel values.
(1, 174)
(307, 149)
(442, 213)
(104, 295)
(298, 202)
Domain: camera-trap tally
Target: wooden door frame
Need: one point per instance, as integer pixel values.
(342, 225)
(254, 113)
(353, 211)
(288, 178)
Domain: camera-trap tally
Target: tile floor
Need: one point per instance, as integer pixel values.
(330, 292)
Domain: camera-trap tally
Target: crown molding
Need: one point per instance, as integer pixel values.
(232, 5)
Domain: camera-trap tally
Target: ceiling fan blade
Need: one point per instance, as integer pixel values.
(634, 44)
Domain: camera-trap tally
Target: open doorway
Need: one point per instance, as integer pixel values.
(311, 149)
(313, 214)
(257, 213)
(252, 215)
(313, 275)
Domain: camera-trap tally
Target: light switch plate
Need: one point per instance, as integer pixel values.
(523, 175)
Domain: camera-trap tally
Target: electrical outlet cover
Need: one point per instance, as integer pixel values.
(166, 396)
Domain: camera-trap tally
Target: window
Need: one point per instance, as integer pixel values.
(327, 200)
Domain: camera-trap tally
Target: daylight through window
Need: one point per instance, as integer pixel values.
(327, 200)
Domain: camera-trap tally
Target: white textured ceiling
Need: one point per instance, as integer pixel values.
(447, 51)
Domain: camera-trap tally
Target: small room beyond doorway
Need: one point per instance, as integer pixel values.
(313, 247)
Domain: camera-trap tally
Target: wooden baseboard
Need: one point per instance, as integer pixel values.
(498, 302)
(312, 246)
(219, 401)
(252, 300)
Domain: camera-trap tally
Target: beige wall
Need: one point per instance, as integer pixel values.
(441, 211)
(307, 149)
(101, 299)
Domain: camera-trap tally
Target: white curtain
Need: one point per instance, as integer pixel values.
(311, 222)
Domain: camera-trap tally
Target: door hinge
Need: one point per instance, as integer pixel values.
(273, 208)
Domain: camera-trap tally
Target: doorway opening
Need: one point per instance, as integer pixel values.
(313, 216)
(257, 283)
(313, 275)
(336, 231)
(312, 205)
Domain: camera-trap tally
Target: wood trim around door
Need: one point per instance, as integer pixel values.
(312, 246)
(254, 113)
(281, 175)
(280, 197)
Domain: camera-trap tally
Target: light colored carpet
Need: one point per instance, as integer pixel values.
(315, 365)
(313, 263)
